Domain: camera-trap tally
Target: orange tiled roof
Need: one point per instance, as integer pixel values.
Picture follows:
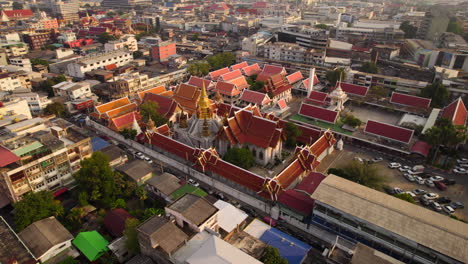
(186, 96)
(101, 109)
(156, 90)
(121, 110)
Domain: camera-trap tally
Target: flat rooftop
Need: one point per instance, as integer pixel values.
(11, 247)
(430, 229)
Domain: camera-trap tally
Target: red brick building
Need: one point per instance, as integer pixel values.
(163, 50)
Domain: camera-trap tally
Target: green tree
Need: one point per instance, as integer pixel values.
(124, 187)
(405, 197)
(379, 91)
(106, 37)
(150, 212)
(410, 30)
(351, 120)
(37, 61)
(198, 69)
(292, 133)
(333, 76)
(58, 109)
(17, 6)
(369, 67)
(83, 198)
(96, 178)
(119, 203)
(150, 110)
(271, 255)
(69, 260)
(36, 206)
(221, 60)
(241, 157)
(74, 218)
(365, 174)
(142, 195)
(321, 26)
(254, 84)
(444, 133)
(137, 54)
(128, 133)
(455, 27)
(438, 93)
(87, 5)
(195, 37)
(131, 234)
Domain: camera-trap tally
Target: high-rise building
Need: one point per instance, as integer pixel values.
(162, 50)
(433, 25)
(124, 4)
(66, 10)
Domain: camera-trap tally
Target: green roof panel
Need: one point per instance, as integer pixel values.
(91, 244)
(187, 188)
(27, 148)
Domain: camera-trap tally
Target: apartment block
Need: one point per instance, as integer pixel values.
(128, 83)
(128, 42)
(99, 61)
(162, 50)
(40, 154)
(36, 101)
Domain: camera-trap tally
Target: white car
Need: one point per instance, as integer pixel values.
(430, 183)
(148, 160)
(411, 194)
(409, 177)
(448, 209)
(419, 180)
(394, 165)
(460, 170)
(436, 206)
(463, 160)
(419, 191)
(436, 178)
(194, 183)
(402, 169)
(397, 190)
(430, 196)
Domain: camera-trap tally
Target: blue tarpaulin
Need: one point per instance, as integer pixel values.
(290, 248)
(98, 143)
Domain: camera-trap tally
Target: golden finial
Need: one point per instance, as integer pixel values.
(204, 106)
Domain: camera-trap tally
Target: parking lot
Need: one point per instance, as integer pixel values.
(395, 177)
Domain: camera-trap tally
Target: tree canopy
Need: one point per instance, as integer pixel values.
(437, 92)
(47, 85)
(17, 6)
(446, 134)
(333, 76)
(128, 133)
(455, 27)
(131, 234)
(137, 54)
(272, 256)
(351, 120)
(241, 157)
(56, 108)
(379, 91)
(199, 68)
(149, 110)
(292, 133)
(254, 84)
(321, 26)
(106, 37)
(369, 67)
(221, 60)
(38, 61)
(36, 206)
(410, 30)
(362, 173)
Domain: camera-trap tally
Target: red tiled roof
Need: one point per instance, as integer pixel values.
(239, 66)
(110, 66)
(353, 89)
(456, 111)
(215, 74)
(230, 75)
(18, 13)
(251, 69)
(310, 183)
(306, 81)
(255, 97)
(297, 201)
(410, 100)
(155, 90)
(317, 97)
(170, 145)
(272, 69)
(8, 157)
(198, 82)
(323, 143)
(260, 5)
(124, 121)
(218, 6)
(294, 77)
(422, 148)
(226, 88)
(114, 221)
(282, 104)
(318, 113)
(281, 89)
(240, 82)
(186, 96)
(387, 131)
(167, 106)
(287, 176)
(309, 135)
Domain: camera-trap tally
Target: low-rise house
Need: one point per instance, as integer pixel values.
(91, 244)
(13, 248)
(163, 185)
(230, 219)
(139, 171)
(116, 156)
(46, 239)
(114, 221)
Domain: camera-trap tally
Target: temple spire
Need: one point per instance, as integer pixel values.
(204, 108)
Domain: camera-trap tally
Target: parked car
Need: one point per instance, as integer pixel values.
(457, 205)
(463, 160)
(397, 190)
(449, 182)
(419, 180)
(194, 183)
(377, 159)
(409, 177)
(430, 183)
(436, 206)
(431, 196)
(440, 185)
(419, 191)
(418, 168)
(394, 165)
(148, 160)
(444, 200)
(448, 209)
(404, 168)
(460, 170)
(436, 178)
(425, 201)
(411, 194)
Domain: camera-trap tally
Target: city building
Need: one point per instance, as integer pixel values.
(73, 90)
(434, 23)
(163, 50)
(307, 37)
(39, 40)
(16, 15)
(253, 44)
(13, 250)
(395, 227)
(36, 101)
(40, 155)
(47, 238)
(128, 42)
(9, 81)
(96, 61)
(394, 83)
(67, 10)
(14, 110)
(13, 48)
(283, 51)
(24, 63)
(124, 4)
(128, 84)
